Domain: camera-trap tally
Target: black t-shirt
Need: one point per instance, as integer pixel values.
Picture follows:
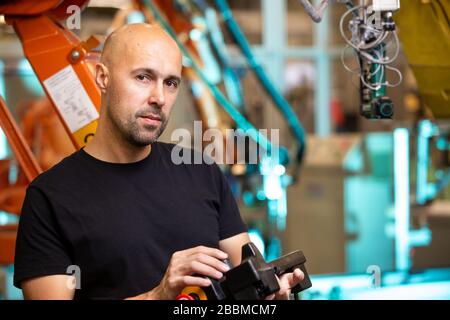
(120, 223)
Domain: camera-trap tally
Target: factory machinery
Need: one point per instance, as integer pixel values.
(63, 63)
(420, 152)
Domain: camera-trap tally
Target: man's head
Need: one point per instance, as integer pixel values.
(139, 75)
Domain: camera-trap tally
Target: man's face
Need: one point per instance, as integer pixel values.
(143, 86)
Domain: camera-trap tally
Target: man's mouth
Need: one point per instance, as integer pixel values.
(152, 119)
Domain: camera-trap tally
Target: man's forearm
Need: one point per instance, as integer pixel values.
(154, 294)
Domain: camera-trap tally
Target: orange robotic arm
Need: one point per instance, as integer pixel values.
(58, 58)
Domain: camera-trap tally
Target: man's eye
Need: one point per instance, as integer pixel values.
(142, 77)
(172, 83)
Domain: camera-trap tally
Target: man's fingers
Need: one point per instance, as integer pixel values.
(296, 277)
(202, 264)
(196, 281)
(211, 261)
(202, 261)
(290, 280)
(196, 267)
(213, 252)
(271, 297)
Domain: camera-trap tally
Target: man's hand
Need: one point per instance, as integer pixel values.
(287, 281)
(199, 261)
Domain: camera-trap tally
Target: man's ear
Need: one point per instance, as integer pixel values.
(101, 76)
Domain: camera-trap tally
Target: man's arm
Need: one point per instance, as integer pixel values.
(54, 287)
(185, 268)
(233, 246)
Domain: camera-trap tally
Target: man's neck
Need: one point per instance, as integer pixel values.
(106, 148)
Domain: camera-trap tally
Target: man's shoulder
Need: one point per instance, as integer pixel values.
(58, 172)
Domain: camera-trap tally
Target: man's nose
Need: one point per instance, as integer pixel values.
(157, 95)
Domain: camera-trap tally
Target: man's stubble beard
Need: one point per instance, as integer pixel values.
(130, 130)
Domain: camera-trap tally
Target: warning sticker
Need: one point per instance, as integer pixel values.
(71, 98)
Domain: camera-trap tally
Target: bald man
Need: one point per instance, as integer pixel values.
(118, 219)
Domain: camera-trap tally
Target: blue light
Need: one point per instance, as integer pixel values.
(405, 238)
(260, 195)
(197, 89)
(248, 198)
(8, 218)
(195, 35)
(29, 78)
(354, 160)
(279, 170)
(3, 140)
(429, 284)
(210, 68)
(256, 237)
(273, 249)
(135, 17)
(272, 187)
(275, 191)
(272, 182)
(422, 291)
(442, 144)
(423, 190)
(401, 189)
(3, 218)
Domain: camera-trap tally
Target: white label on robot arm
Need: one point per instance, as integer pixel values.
(386, 5)
(71, 99)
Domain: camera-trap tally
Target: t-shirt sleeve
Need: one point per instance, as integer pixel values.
(230, 220)
(40, 249)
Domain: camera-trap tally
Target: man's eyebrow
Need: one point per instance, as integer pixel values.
(154, 72)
